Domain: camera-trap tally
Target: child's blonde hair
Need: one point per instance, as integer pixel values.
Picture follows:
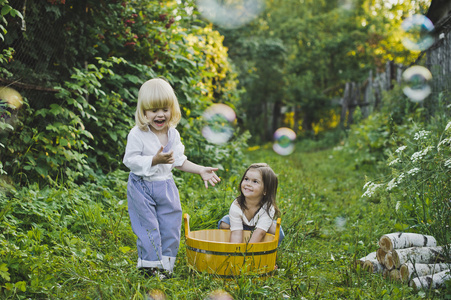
(156, 93)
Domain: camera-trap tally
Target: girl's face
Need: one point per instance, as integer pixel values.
(252, 185)
(158, 118)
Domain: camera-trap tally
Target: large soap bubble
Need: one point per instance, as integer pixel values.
(10, 97)
(417, 33)
(284, 141)
(415, 82)
(10, 102)
(230, 14)
(220, 119)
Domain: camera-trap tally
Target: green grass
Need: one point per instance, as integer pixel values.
(85, 249)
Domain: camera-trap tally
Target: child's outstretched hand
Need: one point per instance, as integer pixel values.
(163, 158)
(209, 176)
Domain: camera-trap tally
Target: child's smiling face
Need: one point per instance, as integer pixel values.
(158, 118)
(252, 185)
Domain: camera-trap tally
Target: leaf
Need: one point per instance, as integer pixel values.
(125, 249)
(6, 9)
(4, 272)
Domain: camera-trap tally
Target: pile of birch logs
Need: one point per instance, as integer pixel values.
(411, 258)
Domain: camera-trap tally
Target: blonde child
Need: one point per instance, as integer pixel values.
(153, 149)
(255, 208)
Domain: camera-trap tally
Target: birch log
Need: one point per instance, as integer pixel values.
(430, 281)
(390, 260)
(361, 261)
(411, 270)
(400, 240)
(394, 274)
(373, 266)
(371, 256)
(425, 255)
(380, 255)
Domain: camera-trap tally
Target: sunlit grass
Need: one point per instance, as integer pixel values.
(91, 252)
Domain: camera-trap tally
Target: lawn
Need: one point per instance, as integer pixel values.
(76, 243)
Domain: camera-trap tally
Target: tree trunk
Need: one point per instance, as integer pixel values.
(426, 255)
(410, 270)
(430, 281)
(400, 240)
(344, 105)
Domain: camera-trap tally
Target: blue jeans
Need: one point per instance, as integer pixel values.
(226, 220)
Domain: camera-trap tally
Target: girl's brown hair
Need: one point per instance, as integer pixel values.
(156, 93)
(270, 183)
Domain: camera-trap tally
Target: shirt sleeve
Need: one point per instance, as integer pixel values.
(235, 215)
(134, 159)
(265, 220)
(179, 151)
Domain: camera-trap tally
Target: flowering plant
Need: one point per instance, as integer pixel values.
(420, 181)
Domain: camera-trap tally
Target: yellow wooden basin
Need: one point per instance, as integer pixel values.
(210, 251)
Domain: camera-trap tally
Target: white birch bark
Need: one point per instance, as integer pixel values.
(371, 256)
(401, 240)
(419, 270)
(422, 255)
(430, 281)
(373, 266)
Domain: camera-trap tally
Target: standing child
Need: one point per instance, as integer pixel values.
(255, 208)
(153, 150)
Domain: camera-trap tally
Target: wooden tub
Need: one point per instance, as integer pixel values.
(210, 251)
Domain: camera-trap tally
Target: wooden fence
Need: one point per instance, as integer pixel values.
(368, 94)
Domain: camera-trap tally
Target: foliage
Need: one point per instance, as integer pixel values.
(418, 185)
(80, 129)
(322, 45)
(6, 10)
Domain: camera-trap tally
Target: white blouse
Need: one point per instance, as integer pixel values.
(261, 219)
(142, 146)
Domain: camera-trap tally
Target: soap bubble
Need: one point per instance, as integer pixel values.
(417, 33)
(10, 102)
(230, 14)
(219, 295)
(220, 119)
(416, 83)
(156, 295)
(346, 4)
(340, 223)
(284, 141)
(10, 98)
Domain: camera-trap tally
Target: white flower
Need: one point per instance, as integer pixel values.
(420, 135)
(395, 161)
(367, 184)
(392, 184)
(400, 149)
(413, 171)
(420, 154)
(442, 142)
(448, 126)
(400, 178)
(372, 188)
(448, 163)
(398, 205)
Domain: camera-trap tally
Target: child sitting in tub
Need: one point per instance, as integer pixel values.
(255, 208)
